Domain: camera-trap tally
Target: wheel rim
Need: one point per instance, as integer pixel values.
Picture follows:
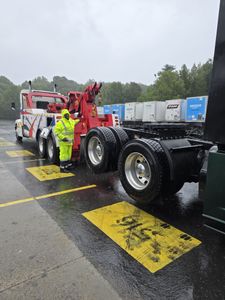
(95, 150)
(50, 149)
(137, 171)
(41, 144)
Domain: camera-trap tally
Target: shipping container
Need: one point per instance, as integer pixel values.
(115, 109)
(130, 111)
(154, 111)
(119, 109)
(122, 112)
(133, 111)
(196, 109)
(107, 109)
(139, 111)
(100, 110)
(175, 110)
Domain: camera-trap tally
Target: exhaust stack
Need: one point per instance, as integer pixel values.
(30, 86)
(55, 88)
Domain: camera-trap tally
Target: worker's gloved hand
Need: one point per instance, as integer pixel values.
(65, 140)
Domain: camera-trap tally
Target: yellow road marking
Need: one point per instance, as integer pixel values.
(50, 172)
(47, 195)
(22, 161)
(19, 153)
(6, 143)
(152, 242)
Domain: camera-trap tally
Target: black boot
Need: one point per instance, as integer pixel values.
(69, 165)
(63, 167)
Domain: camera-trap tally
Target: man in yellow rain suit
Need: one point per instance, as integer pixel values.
(64, 130)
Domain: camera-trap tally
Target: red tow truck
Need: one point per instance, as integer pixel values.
(40, 110)
(150, 163)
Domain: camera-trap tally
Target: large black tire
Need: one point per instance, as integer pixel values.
(19, 139)
(142, 188)
(52, 150)
(41, 142)
(121, 139)
(99, 149)
(168, 187)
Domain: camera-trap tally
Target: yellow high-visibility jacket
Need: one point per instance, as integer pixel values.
(65, 129)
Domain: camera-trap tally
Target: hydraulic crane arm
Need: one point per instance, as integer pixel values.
(78, 101)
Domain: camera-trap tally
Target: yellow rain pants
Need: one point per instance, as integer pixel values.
(65, 129)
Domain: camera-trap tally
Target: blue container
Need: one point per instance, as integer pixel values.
(107, 109)
(119, 109)
(115, 109)
(196, 109)
(122, 112)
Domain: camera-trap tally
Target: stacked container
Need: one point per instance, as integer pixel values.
(139, 111)
(122, 112)
(107, 109)
(119, 109)
(130, 111)
(154, 111)
(196, 109)
(175, 110)
(133, 111)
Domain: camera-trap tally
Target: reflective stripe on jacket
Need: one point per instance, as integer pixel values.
(65, 129)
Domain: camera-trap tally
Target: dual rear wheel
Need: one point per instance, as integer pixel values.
(47, 148)
(137, 161)
(142, 164)
(102, 148)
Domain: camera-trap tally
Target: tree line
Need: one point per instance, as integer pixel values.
(169, 83)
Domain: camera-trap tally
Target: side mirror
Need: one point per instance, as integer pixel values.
(13, 106)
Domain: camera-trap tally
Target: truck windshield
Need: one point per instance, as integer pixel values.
(42, 101)
(47, 99)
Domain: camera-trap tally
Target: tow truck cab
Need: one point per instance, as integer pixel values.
(34, 112)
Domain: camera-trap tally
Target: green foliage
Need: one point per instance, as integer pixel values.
(170, 83)
(173, 84)
(167, 67)
(167, 86)
(200, 79)
(112, 92)
(116, 92)
(8, 94)
(185, 76)
(132, 92)
(65, 85)
(39, 83)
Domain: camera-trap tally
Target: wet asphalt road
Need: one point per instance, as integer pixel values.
(198, 274)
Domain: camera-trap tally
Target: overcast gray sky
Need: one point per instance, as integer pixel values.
(107, 40)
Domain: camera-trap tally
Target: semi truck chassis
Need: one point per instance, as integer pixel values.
(150, 163)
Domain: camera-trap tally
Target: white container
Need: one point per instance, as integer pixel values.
(139, 111)
(175, 110)
(133, 111)
(130, 111)
(154, 111)
(100, 110)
